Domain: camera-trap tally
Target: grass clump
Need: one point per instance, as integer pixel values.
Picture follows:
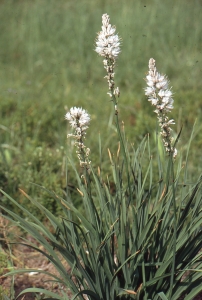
(40, 68)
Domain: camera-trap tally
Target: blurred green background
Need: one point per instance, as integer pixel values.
(48, 64)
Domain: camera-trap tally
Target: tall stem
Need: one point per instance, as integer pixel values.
(175, 227)
(110, 69)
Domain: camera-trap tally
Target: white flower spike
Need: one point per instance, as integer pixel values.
(79, 120)
(160, 96)
(108, 43)
(108, 46)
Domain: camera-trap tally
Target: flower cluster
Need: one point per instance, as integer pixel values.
(108, 43)
(108, 46)
(160, 96)
(79, 120)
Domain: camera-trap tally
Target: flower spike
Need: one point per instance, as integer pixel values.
(108, 43)
(108, 46)
(160, 96)
(79, 120)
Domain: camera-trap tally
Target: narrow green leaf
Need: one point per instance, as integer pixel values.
(162, 296)
(18, 271)
(43, 291)
(127, 260)
(194, 293)
(87, 292)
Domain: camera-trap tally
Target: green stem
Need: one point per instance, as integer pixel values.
(84, 159)
(111, 64)
(85, 171)
(122, 144)
(175, 228)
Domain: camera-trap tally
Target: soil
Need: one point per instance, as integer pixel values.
(25, 257)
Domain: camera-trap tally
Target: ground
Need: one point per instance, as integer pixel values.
(24, 257)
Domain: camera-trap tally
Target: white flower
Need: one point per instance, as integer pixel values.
(174, 153)
(78, 118)
(116, 91)
(107, 42)
(162, 83)
(154, 101)
(149, 91)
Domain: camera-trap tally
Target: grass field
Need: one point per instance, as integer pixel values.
(48, 64)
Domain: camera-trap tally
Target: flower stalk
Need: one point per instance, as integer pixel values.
(108, 46)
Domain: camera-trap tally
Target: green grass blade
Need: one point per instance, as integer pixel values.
(43, 291)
